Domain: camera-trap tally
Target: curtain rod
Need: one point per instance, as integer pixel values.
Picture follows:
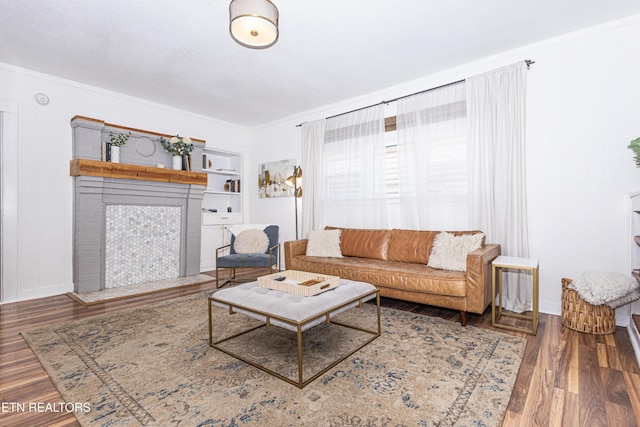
(529, 62)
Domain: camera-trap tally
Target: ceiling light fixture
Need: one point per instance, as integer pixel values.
(253, 23)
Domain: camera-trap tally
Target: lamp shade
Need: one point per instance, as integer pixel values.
(253, 23)
(295, 181)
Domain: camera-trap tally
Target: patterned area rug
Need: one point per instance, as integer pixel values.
(153, 366)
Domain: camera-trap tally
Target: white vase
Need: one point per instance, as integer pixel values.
(177, 162)
(115, 154)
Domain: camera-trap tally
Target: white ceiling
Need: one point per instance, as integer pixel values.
(180, 53)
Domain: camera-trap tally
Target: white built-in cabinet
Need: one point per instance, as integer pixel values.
(634, 242)
(215, 234)
(222, 202)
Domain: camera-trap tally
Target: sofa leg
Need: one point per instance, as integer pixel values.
(463, 318)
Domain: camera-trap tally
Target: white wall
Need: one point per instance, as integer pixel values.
(583, 109)
(40, 247)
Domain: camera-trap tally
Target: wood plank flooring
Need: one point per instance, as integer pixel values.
(566, 379)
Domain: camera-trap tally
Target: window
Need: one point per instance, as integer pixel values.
(343, 176)
(389, 181)
(446, 168)
(408, 170)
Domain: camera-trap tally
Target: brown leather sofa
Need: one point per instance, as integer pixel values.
(395, 261)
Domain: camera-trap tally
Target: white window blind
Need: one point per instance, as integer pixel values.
(415, 175)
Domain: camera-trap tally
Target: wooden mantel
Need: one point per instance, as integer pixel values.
(86, 167)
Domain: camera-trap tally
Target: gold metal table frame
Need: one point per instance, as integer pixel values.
(301, 383)
(515, 263)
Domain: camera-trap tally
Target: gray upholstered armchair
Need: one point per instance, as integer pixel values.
(252, 246)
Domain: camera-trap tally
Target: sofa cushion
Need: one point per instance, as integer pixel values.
(246, 261)
(450, 252)
(324, 243)
(412, 246)
(415, 246)
(364, 243)
(387, 274)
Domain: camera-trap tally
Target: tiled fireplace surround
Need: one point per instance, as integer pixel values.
(118, 240)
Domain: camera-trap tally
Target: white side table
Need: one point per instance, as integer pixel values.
(516, 263)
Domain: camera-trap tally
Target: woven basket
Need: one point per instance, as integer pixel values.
(579, 315)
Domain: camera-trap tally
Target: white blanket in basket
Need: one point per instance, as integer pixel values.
(601, 287)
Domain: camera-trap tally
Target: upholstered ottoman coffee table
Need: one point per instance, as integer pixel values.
(295, 313)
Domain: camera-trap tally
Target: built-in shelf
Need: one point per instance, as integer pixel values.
(223, 193)
(86, 167)
(222, 172)
(634, 232)
(224, 169)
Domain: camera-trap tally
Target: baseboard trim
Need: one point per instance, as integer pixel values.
(44, 292)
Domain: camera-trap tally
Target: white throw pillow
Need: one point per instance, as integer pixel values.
(324, 243)
(252, 241)
(450, 251)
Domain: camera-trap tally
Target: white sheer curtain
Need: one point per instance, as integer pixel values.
(354, 189)
(312, 170)
(496, 107)
(432, 159)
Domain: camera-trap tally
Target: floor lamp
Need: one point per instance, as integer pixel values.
(295, 181)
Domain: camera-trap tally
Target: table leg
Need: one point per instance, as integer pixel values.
(493, 295)
(300, 380)
(210, 325)
(499, 279)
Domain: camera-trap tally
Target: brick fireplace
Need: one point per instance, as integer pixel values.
(134, 222)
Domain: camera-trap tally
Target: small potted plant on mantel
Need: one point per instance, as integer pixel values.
(178, 146)
(635, 146)
(117, 141)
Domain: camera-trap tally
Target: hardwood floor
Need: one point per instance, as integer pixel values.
(566, 379)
